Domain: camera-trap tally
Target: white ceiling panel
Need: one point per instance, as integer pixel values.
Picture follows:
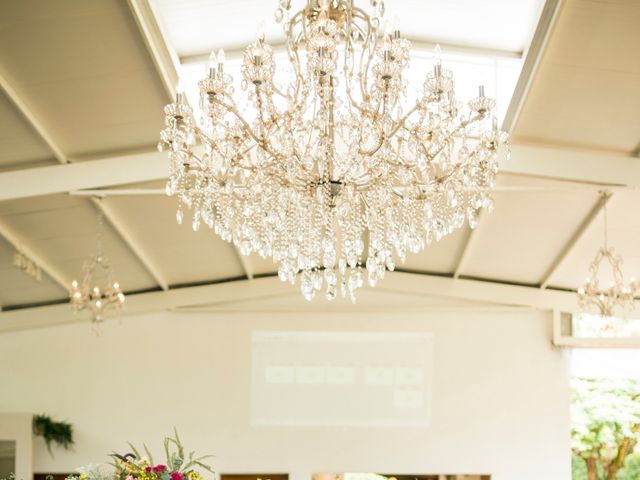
(195, 27)
(182, 255)
(261, 266)
(439, 257)
(21, 145)
(63, 231)
(624, 238)
(83, 70)
(587, 90)
(18, 288)
(520, 239)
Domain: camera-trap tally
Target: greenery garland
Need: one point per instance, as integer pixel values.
(60, 433)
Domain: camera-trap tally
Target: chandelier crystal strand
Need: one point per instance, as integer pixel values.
(336, 174)
(617, 296)
(99, 292)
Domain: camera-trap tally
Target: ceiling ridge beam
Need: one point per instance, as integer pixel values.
(164, 57)
(526, 160)
(19, 244)
(422, 45)
(134, 245)
(550, 13)
(243, 290)
(104, 172)
(27, 113)
(566, 250)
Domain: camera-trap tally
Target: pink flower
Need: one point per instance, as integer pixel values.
(130, 477)
(148, 469)
(177, 476)
(159, 468)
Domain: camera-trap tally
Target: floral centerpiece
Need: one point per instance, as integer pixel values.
(135, 466)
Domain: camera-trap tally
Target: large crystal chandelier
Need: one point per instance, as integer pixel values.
(334, 170)
(99, 292)
(617, 296)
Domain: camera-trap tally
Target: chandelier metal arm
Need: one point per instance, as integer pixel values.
(326, 175)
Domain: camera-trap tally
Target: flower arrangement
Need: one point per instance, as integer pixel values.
(135, 466)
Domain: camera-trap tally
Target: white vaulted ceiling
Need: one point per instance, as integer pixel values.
(85, 82)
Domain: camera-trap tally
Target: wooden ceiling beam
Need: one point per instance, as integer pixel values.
(43, 180)
(575, 238)
(22, 245)
(268, 287)
(134, 244)
(164, 58)
(531, 64)
(570, 165)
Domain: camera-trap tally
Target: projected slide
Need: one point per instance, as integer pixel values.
(341, 378)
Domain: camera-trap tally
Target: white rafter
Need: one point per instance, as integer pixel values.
(48, 177)
(163, 56)
(35, 123)
(531, 63)
(244, 290)
(529, 160)
(166, 62)
(23, 246)
(118, 170)
(527, 74)
(571, 243)
(116, 223)
(418, 45)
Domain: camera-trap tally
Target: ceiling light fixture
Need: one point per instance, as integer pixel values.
(333, 170)
(99, 292)
(605, 301)
(27, 265)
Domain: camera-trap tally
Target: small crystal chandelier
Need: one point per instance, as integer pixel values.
(591, 296)
(27, 265)
(335, 172)
(99, 291)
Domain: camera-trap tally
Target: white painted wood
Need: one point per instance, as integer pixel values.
(532, 61)
(575, 238)
(530, 160)
(138, 250)
(22, 106)
(164, 58)
(573, 165)
(87, 174)
(569, 341)
(23, 246)
(226, 293)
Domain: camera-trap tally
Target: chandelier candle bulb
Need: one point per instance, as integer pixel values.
(99, 291)
(179, 93)
(213, 62)
(334, 172)
(221, 60)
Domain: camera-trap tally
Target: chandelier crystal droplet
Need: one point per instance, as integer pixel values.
(336, 175)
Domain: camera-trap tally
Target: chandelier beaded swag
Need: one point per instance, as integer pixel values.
(617, 297)
(99, 292)
(337, 174)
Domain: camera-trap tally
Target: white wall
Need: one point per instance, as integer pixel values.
(17, 428)
(500, 399)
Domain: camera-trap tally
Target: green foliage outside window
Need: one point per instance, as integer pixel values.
(605, 417)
